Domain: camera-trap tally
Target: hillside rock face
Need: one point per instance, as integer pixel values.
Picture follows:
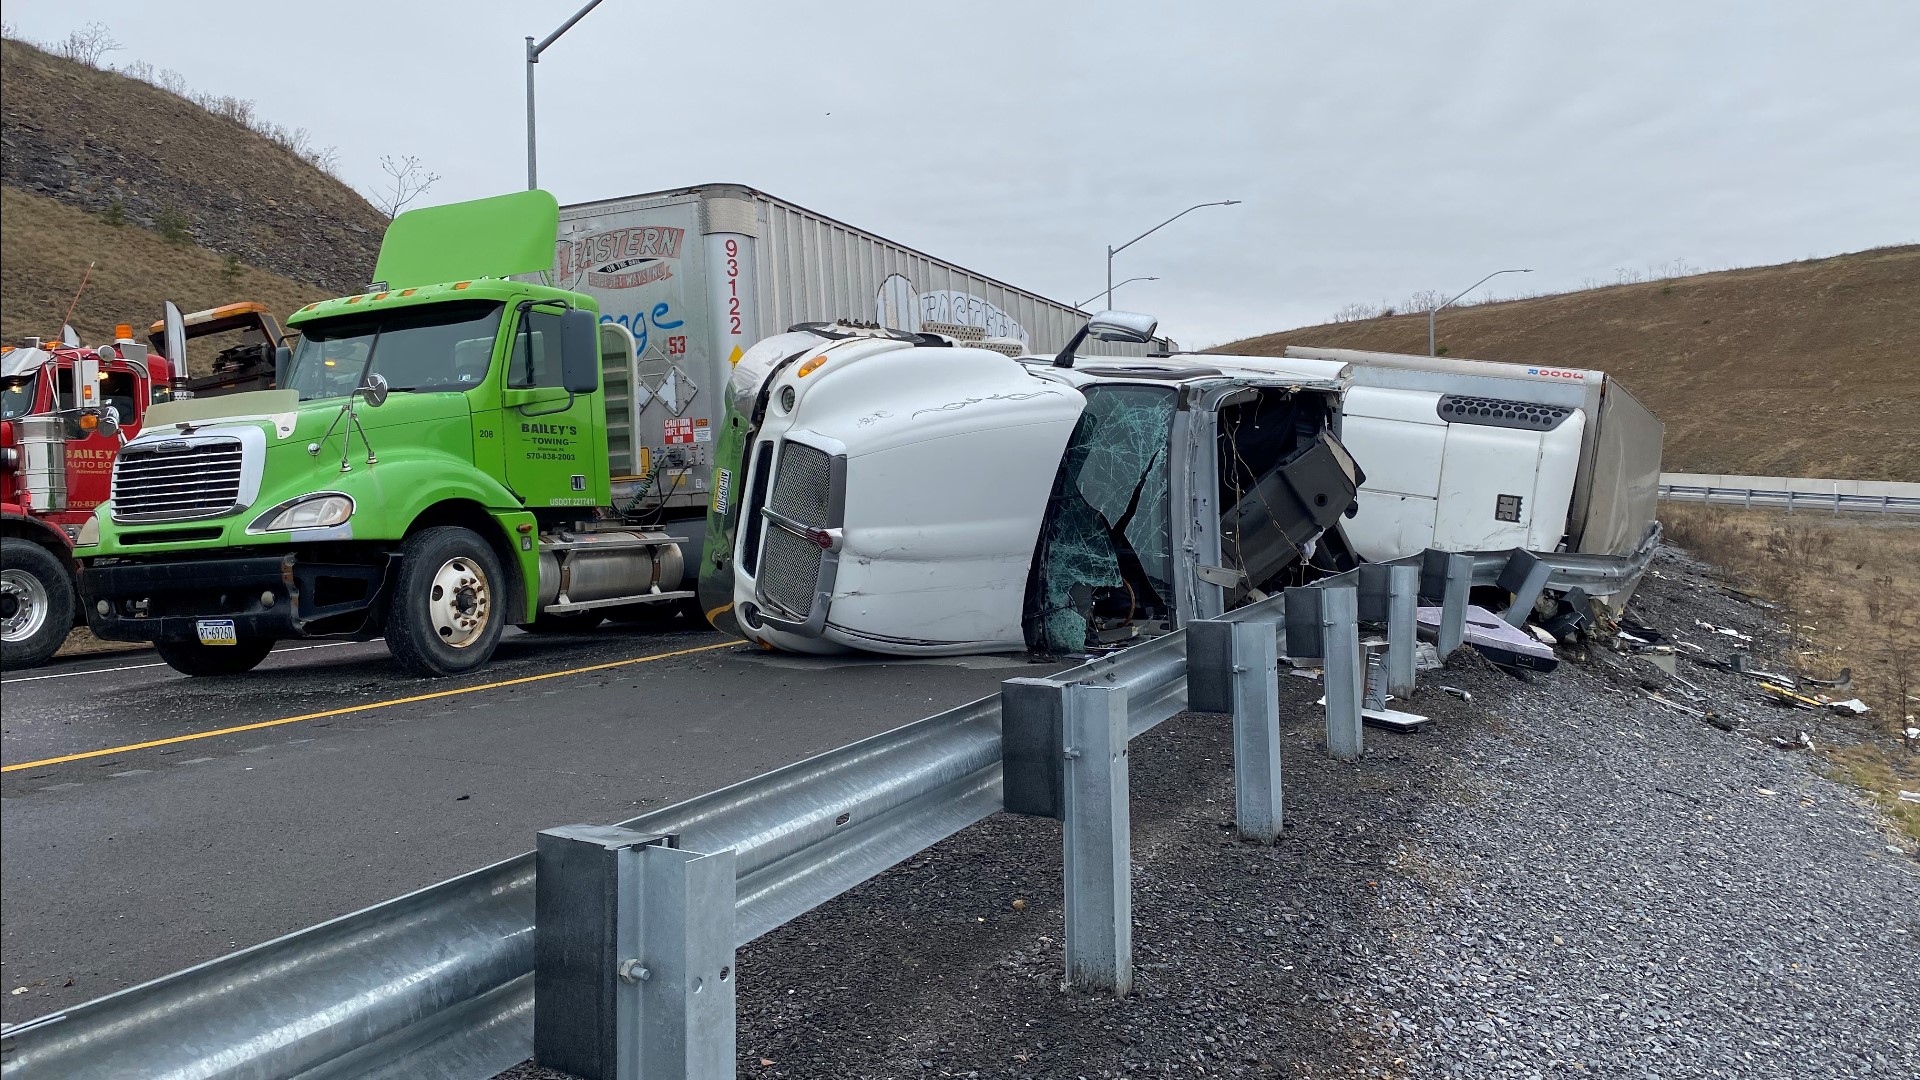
(90, 138)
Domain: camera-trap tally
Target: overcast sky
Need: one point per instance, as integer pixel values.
(1379, 148)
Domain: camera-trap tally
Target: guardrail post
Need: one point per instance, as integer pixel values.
(1256, 730)
(633, 956)
(1453, 605)
(677, 985)
(1525, 575)
(1403, 602)
(1210, 665)
(1340, 648)
(1096, 839)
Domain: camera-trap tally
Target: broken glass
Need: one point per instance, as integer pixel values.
(1105, 547)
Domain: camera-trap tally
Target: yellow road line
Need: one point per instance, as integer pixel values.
(361, 708)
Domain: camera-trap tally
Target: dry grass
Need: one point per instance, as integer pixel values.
(1849, 585)
(44, 251)
(1803, 369)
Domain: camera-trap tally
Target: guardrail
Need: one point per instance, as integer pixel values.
(1793, 493)
(629, 931)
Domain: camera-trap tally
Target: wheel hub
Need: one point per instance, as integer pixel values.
(459, 602)
(23, 605)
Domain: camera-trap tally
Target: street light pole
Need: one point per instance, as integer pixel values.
(1112, 251)
(533, 57)
(1110, 287)
(1435, 311)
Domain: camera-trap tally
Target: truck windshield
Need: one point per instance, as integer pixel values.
(16, 395)
(1105, 553)
(437, 347)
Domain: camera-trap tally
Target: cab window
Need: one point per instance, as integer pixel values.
(536, 351)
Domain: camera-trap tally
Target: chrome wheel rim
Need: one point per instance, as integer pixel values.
(458, 602)
(29, 605)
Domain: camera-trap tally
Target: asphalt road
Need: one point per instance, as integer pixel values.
(350, 783)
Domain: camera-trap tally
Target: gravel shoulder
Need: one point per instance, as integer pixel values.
(1561, 877)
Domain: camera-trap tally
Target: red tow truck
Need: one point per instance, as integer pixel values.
(58, 441)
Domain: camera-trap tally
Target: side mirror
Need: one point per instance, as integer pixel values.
(580, 351)
(1109, 326)
(1122, 326)
(374, 390)
(282, 360)
(110, 423)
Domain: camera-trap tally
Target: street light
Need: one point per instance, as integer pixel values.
(533, 57)
(1448, 304)
(1110, 289)
(1112, 251)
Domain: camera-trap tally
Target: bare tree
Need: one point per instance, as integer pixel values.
(407, 180)
(87, 44)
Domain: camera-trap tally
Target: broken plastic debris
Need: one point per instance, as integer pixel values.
(1726, 630)
(1910, 796)
(1851, 705)
(1463, 695)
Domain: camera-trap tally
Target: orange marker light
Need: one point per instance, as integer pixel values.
(123, 332)
(379, 296)
(408, 292)
(807, 368)
(461, 284)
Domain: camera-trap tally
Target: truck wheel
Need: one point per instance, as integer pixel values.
(193, 658)
(36, 603)
(445, 615)
(573, 622)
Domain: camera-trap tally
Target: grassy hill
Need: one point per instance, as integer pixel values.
(97, 165)
(1804, 369)
(45, 248)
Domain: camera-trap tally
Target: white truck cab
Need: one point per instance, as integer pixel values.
(900, 493)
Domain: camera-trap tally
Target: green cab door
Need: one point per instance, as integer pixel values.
(555, 448)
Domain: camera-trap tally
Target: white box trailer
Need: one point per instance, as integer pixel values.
(699, 274)
(1474, 455)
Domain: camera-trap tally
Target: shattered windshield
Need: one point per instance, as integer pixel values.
(436, 347)
(1105, 553)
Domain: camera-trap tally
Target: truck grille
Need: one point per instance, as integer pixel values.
(175, 482)
(802, 490)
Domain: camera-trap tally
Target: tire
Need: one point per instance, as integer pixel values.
(445, 615)
(573, 622)
(201, 661)
(36, 603)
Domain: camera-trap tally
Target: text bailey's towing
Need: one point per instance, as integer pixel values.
(904, 493)
(432, 467)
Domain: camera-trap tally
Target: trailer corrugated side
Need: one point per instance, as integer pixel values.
(698, 275)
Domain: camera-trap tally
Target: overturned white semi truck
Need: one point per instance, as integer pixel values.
(892, 492)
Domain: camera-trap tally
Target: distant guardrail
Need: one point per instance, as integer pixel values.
(1793, 493)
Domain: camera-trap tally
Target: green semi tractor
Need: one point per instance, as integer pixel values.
(434, 467)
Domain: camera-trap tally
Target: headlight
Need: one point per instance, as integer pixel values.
(307, 512)
(89, 532)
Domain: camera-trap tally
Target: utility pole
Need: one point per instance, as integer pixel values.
(1110, 287)
(1463, 292)
(1112, 251)
(533, 57)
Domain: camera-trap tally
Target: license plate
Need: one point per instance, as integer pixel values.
(216, 632)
